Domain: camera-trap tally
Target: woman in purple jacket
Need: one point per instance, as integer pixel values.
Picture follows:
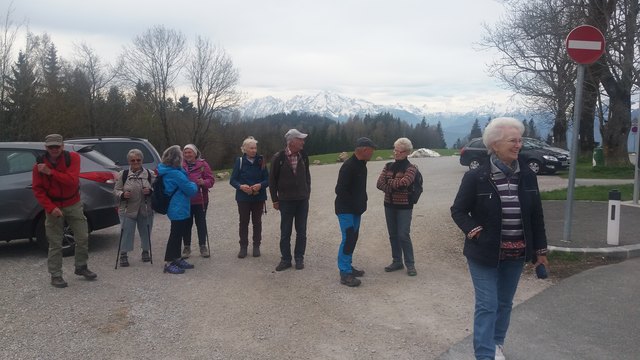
(200, 173)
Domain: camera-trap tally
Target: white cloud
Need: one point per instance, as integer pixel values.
(408, 51)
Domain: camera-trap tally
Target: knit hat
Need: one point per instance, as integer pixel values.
(192, 148)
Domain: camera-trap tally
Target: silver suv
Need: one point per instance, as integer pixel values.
(116, 148)
(22, 217)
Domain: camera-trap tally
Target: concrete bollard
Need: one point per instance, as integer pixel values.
(613, 220)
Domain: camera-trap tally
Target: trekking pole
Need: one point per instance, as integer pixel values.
(146, 210)
(204, 213)
(119, 244)
(146, 206)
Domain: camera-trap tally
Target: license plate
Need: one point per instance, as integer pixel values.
(565, 163)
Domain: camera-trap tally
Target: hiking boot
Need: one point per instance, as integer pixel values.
(357, 273)
(173, 269)
(242, 253)
(183, 264)
(500, 353)
(394, 266)
(283, 265)
(186, 252)
(146, 256)
(204, 251)
(299, 264)
(411, 270)
(349, 280)
(256, 251)
(84, 271)
(58, 281)
(124, 259)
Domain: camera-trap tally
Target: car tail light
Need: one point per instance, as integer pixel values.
(107, 177)
(462, 151)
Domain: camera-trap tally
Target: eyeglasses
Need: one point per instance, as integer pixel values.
(135, 160)
(514, 141)
(399, 151)
(53, 147)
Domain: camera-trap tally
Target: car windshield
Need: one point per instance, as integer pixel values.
(97, 157)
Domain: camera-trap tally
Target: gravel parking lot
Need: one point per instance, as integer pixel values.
(230, 308)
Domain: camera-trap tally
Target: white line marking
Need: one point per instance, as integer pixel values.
(585, 45)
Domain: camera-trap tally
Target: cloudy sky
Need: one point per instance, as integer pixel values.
(419, 52)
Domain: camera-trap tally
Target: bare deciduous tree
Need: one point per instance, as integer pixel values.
(7, 41)
(97, 77)
(213, 80)
(533, 60)
(155, 57)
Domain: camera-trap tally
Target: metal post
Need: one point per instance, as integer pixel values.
(577, 112)
(636, 180)
(613, 220)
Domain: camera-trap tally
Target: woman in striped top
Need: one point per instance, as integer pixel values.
(498, 208)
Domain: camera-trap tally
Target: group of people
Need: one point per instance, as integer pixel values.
(498, 208)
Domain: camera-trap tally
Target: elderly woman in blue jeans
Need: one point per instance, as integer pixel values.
(499, 210)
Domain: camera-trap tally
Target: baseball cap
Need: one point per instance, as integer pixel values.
(53, 140)
(294, 134)
(365, 142)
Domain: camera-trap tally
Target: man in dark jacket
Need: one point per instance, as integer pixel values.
(350, 204)
(56, 186)
(290, 188)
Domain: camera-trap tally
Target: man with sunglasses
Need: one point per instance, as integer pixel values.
(56, 185)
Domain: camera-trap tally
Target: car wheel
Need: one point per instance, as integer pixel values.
(474, 164)
(68, 240)
(534, 165)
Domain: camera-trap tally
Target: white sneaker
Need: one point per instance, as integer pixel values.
(499, 353)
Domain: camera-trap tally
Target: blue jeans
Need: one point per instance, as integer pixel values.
(494, 289)
(128, 226)
(350, 227)
(290, 212)
(399, 228)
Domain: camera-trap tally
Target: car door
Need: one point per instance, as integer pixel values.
(19, 205)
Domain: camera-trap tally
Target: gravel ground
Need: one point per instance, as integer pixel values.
(230, 308)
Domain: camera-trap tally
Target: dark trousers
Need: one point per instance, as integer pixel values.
(178, 231)
(293, 212)
(250, 211)
(199, 216)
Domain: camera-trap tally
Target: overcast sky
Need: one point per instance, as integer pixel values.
(404, 51)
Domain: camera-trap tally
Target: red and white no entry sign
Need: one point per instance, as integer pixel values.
(585, 44)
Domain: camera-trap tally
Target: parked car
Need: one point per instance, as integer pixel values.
(22, 217)
(117, 147)
(540, 160)
(542, 144)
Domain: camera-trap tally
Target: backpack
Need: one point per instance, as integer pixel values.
(125, 176)
(159, 200)
(415, 189)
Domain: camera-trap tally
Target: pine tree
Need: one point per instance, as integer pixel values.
(21, 102)
(475, 130)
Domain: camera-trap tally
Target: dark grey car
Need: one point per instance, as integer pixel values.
(117, 147)
(22, 217)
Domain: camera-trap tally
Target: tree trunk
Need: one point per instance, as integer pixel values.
(560, 129)
(590, 97)
(615, 132)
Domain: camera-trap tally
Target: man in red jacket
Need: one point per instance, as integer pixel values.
(56, 185)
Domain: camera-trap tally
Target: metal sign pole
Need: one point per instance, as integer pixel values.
(635, 176)
(577, 112)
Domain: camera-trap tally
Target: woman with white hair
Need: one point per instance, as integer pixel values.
(498, 208)
(395, 180)
(132, 190)
(250, 178)
(178, 186)
(199, 172)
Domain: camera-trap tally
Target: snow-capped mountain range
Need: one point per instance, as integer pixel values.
(340, 108)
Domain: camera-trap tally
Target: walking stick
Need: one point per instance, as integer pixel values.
(146, 206)
(119, 244)
(206, 231)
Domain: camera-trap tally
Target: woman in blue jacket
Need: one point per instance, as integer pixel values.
(181, 189)
(250, 178)
(498, 208)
